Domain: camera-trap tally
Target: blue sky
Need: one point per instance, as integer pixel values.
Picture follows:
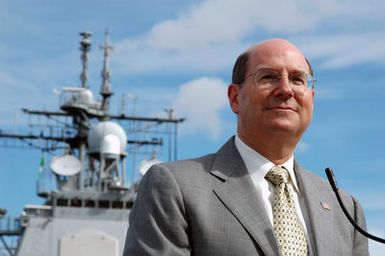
(180, 54)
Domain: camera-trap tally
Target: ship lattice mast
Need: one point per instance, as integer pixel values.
(105, 89)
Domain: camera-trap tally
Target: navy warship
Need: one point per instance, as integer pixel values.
(83, 174)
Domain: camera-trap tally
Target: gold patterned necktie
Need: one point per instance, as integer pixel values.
(287, 228)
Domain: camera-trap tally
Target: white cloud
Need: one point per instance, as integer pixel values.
(328, 93)
(138, 57)
(302, 147)
(375, 248)
(207, 37)
(12, 82)
(372, 197)
(200, 101)
(16, 90)
(338, 51)
(226, 21)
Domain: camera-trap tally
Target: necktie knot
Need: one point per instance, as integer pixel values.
(277, 175)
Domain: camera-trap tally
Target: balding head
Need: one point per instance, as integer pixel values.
(240, 68)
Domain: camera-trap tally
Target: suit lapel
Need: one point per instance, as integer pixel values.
(237, 192)
(317, 199)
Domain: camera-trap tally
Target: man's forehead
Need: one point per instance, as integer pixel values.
(276, 50)
(275, 44)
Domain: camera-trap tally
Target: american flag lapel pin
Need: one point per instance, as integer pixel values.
(325, 206)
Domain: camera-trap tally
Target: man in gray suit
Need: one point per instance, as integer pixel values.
(222, 203)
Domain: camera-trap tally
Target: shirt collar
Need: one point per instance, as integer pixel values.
(258, 166)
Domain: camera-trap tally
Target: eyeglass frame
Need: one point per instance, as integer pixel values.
(309, 78)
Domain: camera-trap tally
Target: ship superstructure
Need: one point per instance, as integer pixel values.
(87, 202)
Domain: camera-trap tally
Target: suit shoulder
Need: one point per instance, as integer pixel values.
(203, 163)
(194, 171)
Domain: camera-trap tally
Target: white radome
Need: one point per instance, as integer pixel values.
(107, 137)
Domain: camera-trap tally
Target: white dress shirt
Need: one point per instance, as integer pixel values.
(258, 166)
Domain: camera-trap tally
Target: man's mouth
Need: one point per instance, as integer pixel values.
(281, 108)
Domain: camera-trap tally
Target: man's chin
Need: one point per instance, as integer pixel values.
(283, 126)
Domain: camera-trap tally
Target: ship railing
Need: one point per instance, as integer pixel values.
(10, 226)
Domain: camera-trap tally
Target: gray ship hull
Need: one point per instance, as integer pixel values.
(65, 231)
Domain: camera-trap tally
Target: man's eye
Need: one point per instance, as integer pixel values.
(298, 80)
(268, 77)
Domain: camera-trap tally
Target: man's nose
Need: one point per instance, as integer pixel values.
(283, 87)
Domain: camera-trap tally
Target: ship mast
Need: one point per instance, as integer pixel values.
(105, 89)
(88, 179)
(85, 46)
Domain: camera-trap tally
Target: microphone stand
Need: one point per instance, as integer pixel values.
(333, 184)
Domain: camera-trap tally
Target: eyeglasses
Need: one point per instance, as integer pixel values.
(268, 79)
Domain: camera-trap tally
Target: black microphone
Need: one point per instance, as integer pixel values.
(333, 184)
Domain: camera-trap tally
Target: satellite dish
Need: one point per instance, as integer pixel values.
(66, 165)
(145, 165)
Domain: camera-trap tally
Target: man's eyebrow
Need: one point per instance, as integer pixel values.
(290, 71)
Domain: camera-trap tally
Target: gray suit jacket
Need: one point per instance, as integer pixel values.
(209, 206)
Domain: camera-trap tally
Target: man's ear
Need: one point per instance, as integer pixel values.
(232, 95)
